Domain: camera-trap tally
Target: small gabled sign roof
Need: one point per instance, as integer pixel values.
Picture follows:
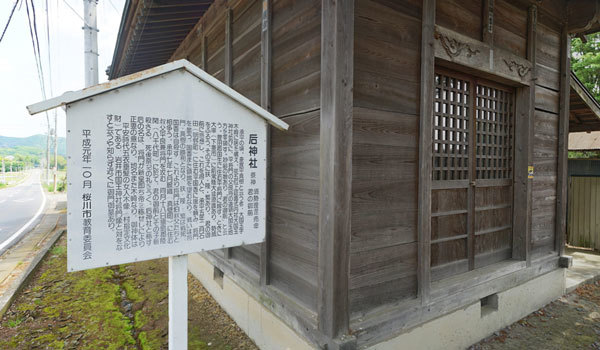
(74, 96)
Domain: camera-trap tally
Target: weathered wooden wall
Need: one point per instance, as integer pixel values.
(545, 144)
(295, 153)
(383, 247)
(295, 97)
(384, 236)
(383, 262)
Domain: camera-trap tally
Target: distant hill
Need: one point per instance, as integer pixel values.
(31, 143)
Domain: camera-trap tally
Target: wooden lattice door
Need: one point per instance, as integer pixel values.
(472, 174)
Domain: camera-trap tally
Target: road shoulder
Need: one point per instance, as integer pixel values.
(18, 262)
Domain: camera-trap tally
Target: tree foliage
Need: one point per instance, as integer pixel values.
(585, 62)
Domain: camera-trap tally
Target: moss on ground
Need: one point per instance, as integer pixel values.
(122, 307)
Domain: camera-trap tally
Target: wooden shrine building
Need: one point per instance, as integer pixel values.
(422, 180)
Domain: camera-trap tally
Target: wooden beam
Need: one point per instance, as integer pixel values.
(228, 48)
(487, 34)
(204, 53)
(425, 151)
(265, 102)
(524, 121)
(563, 140)
(335, 192)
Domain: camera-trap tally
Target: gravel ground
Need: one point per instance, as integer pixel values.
(120, 307)
(571, 322)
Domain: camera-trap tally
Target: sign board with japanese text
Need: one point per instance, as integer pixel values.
(170, 164)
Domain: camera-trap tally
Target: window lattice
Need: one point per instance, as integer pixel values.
(494, 123)
(451, 128)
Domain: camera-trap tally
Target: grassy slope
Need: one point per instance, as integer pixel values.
(121, 307)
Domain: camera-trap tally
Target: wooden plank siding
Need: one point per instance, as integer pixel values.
(383, 246)
(584, 206)
(545, 142)
(387, 263)
(294, 89)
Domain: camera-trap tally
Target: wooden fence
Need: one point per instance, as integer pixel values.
(583, 227)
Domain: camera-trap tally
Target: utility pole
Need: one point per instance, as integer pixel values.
(90, 38)
(47, 150)
(3, 171)
(55, 148)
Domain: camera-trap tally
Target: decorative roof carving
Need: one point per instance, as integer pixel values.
(513, 66)
(453, 47)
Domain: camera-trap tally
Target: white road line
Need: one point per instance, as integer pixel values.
(18, 233)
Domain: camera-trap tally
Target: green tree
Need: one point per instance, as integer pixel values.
(585, 62)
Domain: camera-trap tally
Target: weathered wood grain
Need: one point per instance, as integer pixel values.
(463, 17)
(335, 170)
(387, 72)
(296, 47)
(510, 27)
(265, 102)
(425, 149)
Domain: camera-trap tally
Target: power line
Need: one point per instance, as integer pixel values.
(37, 40)
(35, 53)
(9, 18)
(74, 11)
(113, 6)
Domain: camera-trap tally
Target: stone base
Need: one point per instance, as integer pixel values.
(456, 330)
(463, 327)
(260, 324)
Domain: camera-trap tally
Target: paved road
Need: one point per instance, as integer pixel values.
(20, 207)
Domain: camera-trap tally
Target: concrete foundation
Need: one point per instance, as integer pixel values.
(261, 325)
(461, 328)
(456, 330)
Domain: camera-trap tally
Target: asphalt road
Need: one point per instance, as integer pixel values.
(20, 208)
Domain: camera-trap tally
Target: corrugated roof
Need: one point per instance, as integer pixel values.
(151, 30)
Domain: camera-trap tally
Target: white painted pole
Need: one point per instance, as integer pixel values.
(90, 41)
(178, 303)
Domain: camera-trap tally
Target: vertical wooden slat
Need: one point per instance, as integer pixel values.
(563, 140)
(335, 192)
(593, 217)
(488, 22)
(425, 151)
(265, 102)
(228, 68)
(597, 223)
(578, 207)
(524, 117)
(586, 205)
(570, 210)
(204, 54)
(472, 175)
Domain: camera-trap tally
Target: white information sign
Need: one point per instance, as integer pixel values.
(162, 168)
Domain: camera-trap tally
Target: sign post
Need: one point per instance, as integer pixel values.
(178, 302)
(163, 163)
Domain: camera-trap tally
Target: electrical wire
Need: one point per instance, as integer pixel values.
(9, 18)
(113, 6)
(75, 12)
(39, 67)
(36, 53)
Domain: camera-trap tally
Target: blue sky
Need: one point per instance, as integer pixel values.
(19, 85)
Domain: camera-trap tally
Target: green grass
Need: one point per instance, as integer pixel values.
(61, 182)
